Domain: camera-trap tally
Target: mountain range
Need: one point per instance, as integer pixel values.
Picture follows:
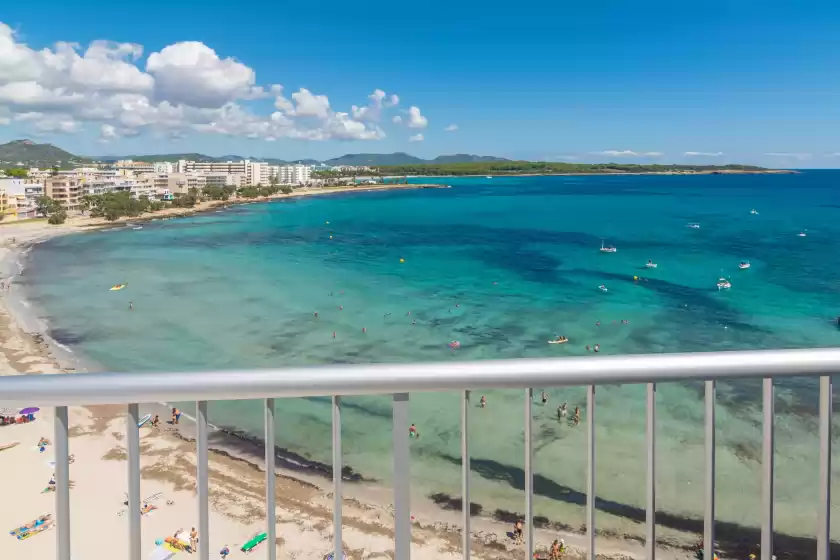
(31, 154)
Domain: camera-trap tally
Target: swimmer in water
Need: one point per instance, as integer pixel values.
(562, 411)
(315, 314)
(597, 323)
(544, 398)
(341, 308)
(385, 315)
(333, 334)
(412, 431)
(131, 306)
(457, 305)
(409, 313)
(483, 402)
(414, 322)
(597, 348)
(588, 348)
(364, 329)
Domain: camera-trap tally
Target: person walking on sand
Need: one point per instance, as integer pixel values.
(224, 552)
(176, 416)
(194, 539)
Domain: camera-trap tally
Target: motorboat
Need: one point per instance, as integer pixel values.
(694, 226)
(754, 212)
(489, 177)
(723, 284)
(603, 288)
(651, 264)
(743, 265)
(801, 234)
(609, 249)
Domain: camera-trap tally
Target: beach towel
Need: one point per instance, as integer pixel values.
(257, 539)
(161, 553)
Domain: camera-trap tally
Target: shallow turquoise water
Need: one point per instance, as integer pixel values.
(500, 265)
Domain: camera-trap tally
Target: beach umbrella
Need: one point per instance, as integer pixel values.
(30, 410)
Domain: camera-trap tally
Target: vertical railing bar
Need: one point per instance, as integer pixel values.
(767, 482)
(338, 544)
(650, 512)
(465, 475)
(590, 472)
(62, 483)
(202, 467)
(133, 443)
(824, 508)
(270, 481)
(402, 478)
(709, 512)
(529, 475)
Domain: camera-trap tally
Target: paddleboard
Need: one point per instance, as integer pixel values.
(118, 287)
(144, 420)
(558, 341)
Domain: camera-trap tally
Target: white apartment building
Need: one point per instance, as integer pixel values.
(294, 174)
(178, 183)
(164, 167)
(230, 167)
(134, 166)
(225, 180)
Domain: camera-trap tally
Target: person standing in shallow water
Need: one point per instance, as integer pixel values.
(483, 402)
(544, 398)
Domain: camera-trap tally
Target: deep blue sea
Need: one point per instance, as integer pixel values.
(501, 265)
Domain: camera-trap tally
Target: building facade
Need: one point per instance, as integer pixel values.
(66, 191)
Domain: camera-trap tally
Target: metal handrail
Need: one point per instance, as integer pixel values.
(113, 388)
(399, 381)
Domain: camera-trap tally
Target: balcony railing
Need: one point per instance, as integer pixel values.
(62, 391)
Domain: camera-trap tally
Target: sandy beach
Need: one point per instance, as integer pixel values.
(304, 500)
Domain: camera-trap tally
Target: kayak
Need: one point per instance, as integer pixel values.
(250, 545)
(118, 287)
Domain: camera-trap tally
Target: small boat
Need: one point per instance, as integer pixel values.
(609, 249)
(118, 287)
(723, 284)
(489, 177)
(454, 344)
(754, 212)
(6, 446)
(651, 264)
(603, 288)
(138, 227)
(801, 234)
(743, 265)
(560, 340)
(694, 226)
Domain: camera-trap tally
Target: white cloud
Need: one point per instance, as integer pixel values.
(416, 138)
(415, 119)
(107, 132)
(451, 128)
(627, 153)
(185, 87)
(703, 154)
(397, 120)
(789, 155)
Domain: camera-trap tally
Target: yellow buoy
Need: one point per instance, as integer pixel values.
(402, 260)
(635, 278)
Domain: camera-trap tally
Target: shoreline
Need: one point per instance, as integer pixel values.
(616, 174)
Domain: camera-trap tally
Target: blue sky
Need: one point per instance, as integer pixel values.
(560, 81)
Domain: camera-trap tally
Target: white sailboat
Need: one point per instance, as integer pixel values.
(609, 249)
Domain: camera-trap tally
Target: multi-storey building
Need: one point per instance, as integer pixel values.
(294, 174)
(65, 190)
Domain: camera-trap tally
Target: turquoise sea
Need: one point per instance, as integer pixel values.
(500, 265)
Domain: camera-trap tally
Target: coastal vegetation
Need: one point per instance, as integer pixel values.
(51, 209)
(550, 168)
(113, 206)
(17, 172)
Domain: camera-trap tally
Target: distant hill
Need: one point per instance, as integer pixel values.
(30, 154)
(402, 158)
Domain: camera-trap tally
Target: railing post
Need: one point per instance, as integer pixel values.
(62, 483)
(402, 478)
(709, 514)
(590, 471)
(767, 471)
(338, 544)
(201, 481)
(465, 474)
(824, 508)
(133, 444)
(650, 512)
(529, 475)
(270, 481)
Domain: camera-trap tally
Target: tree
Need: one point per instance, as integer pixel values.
(86, 203)
(17, 172)
(46, 206)
(286, 189)
(57, 218)
(54, 171)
